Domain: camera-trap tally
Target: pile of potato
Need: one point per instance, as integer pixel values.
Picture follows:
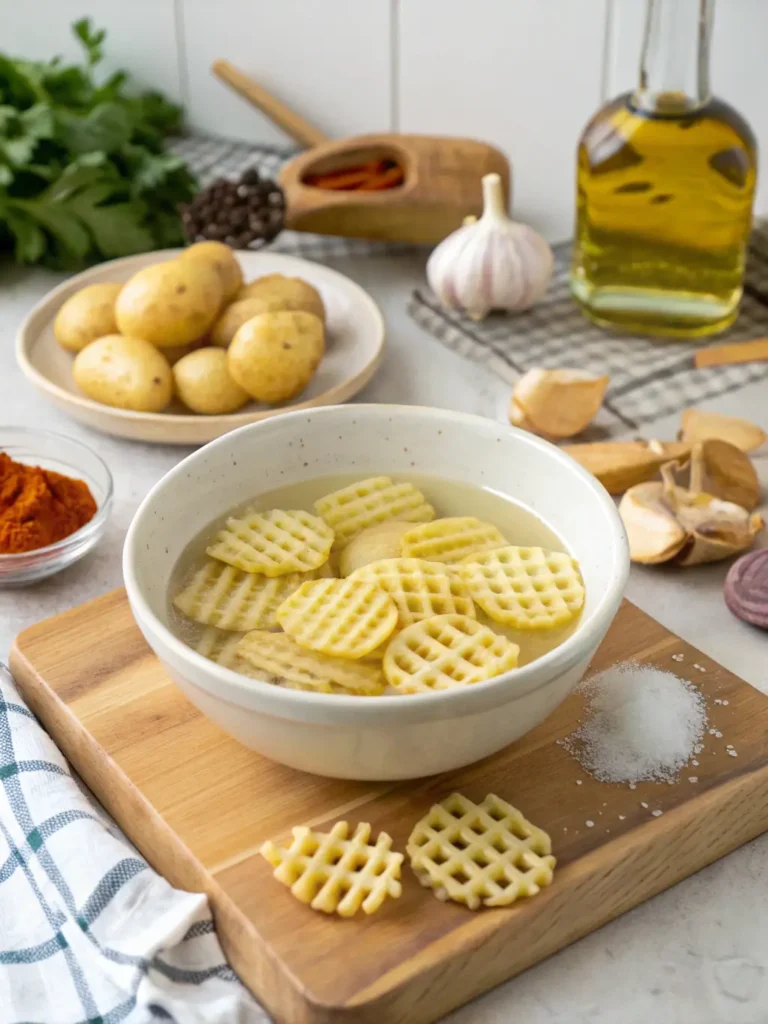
(190, 327)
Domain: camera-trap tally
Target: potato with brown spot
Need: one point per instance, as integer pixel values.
(274, 355)
(284, 293)
(220, 258)
(124, 372)
(204, 384)
(170, 303)
(87, 315)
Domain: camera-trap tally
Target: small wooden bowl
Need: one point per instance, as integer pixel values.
(441, 187)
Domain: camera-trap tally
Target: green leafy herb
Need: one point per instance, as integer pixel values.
(83, 171)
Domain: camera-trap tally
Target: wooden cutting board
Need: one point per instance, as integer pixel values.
(198, 805)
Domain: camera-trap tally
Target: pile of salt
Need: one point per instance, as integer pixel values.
(642, 724)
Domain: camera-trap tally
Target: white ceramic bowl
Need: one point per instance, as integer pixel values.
(377, 737)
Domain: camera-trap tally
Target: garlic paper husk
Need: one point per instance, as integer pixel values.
(493, 263)
(669, 523)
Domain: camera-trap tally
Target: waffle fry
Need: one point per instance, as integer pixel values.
(346, 618)
(527, 588)
(353, 509)
(444, 652)
(220, 646)
(420, 589)
(220, 595)
(336, 874)
(274, 543)
(451, 540)
(293, 666)
(480, 853)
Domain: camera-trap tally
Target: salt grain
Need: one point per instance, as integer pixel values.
(622, 817)
(698, 748)
(677, 657)
(641, 724)
(578, 782)
(693, 778)
(589, 824)
(733, 753)
(657, 814)
(695, 763)
(725, 703)
(644, 804)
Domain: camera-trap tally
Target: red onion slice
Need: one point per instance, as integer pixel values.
(746, 588)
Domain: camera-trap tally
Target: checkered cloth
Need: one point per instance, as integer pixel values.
(649, 379)
(89, 934)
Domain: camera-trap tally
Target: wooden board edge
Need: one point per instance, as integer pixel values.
(249, 955)
(590, 894)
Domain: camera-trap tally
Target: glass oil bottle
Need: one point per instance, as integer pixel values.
(665, 186)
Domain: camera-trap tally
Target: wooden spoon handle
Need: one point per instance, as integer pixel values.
(291, 122)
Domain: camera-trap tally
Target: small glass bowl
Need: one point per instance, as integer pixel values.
(63, 455)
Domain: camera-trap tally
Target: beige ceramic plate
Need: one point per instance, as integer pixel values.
(354, 352)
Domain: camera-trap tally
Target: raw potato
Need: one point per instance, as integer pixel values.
(204, 384)
(87, 315)
(274, 355)
(233, 318)
(125, 372)
(373, 544)
(170, 303)
(292, 293)
(221, 259)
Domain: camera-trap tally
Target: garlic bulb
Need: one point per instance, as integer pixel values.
(493, 263)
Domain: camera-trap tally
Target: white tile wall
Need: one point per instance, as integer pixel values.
(330, 60)
(141, 35)
(512, 74)
(523, 74)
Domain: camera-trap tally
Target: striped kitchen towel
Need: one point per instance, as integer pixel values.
(89, 934)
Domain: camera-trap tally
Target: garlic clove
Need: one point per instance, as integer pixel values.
(619, 465)
(491, 263)
(653, 532)
(666, 522)
(559, 403)
(698, 425)
(729, 474)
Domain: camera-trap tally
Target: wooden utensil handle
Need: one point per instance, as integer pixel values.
(291, 122)
(737, 352)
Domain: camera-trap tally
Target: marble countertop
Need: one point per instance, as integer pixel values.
(697, 953)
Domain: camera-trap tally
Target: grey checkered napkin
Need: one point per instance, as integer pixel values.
(649, 379)
(89, 934)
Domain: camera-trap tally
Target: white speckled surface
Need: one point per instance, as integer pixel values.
(698, 953)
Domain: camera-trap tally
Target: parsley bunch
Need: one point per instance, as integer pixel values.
(83, 172)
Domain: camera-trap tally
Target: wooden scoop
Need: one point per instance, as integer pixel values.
(440, 187)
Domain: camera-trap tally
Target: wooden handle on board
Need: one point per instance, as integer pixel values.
(291, 122)
(737, 352)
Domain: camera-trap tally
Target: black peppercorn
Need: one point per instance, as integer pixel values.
(246, 214)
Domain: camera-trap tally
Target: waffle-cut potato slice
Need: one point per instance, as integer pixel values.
(346, 618)
(451, 540)
(446, 652)
(337, 874)
(480, 853)
(220, 595)
(527, 588)
(221, 646)
(420, 589)
(372, 545)
(274, 543)
(366, 503)
(294, 666)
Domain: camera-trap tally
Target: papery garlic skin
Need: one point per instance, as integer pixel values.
(494, 263)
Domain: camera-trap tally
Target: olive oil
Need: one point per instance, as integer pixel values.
(665, 186)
